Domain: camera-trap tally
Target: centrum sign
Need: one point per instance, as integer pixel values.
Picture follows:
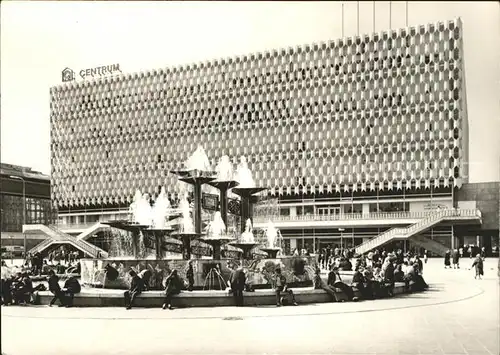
(69, 75)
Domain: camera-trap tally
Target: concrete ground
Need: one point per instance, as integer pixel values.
(458, 315)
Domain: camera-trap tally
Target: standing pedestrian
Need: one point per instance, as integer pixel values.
(447, 257)
(456, 259)
(237, 283)
(478, 266)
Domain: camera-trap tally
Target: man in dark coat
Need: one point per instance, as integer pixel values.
(54, 287)
(389, 278)
(190, 276)
(455, 256)
(135, 289)
(447, 257)
(71, 287)
(237, 283)
(173, 286)
(358, 281)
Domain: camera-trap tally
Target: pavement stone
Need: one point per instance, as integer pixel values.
(459, 315)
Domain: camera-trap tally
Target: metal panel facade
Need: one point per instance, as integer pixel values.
(380, 111)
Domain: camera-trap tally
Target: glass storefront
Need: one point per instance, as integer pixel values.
(38, 211)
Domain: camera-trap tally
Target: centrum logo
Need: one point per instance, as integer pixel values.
(68, 75)
(91, 73)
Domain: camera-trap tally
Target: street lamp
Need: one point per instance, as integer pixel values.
(24, 207)
(341, 230)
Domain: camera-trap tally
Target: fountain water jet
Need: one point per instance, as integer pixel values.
(247, 240)
(216, 235)
(272, 233)
(161, 209)
(244, 175)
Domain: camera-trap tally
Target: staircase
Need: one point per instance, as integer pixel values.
(96, 228)
(430, 245)
(55, 236)
(420, 226)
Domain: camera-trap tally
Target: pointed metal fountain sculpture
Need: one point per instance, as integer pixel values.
(197, 172)
(246, 190)
(224, 182)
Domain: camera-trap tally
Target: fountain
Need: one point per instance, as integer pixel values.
(247, 240)
(273, 241)
(159, 229)
(224, 182)
(216, 235)
(147, 221)
(186, 231)
(246, 189)
(197, 172)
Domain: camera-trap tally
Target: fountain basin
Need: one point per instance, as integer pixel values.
(297, 270)
(114, 298)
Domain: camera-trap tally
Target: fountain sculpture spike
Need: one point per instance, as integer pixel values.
(224, 182)
(245, 190)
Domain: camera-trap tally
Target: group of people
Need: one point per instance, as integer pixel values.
(17, 287)
(236, 285)
(60, 260)
(374, 276)
(139, 282)
(452, 257)
(333, 256)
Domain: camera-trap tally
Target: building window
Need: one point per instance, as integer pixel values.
(285, 211)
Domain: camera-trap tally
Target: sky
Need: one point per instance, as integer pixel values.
(40, 39)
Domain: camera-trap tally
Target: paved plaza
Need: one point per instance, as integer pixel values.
(458, 315)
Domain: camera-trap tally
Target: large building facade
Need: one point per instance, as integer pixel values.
(357, 126)
(24, 199)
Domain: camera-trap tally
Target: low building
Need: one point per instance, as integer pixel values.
(23, 189)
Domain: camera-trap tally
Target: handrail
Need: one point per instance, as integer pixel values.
(82, 244)
(346, 216)
(416, 227)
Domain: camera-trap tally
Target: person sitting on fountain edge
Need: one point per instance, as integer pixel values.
(173, 286)
(281, 287)
(136, 287)
(71, 287)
